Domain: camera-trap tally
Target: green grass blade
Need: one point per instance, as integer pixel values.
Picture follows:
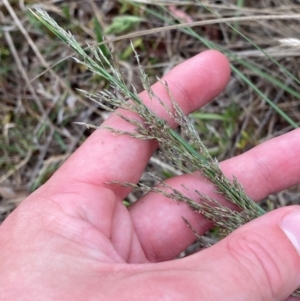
(252, 67)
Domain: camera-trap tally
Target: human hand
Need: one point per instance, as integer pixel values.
(73, 239)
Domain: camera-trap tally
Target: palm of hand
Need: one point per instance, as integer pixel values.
(74, 256)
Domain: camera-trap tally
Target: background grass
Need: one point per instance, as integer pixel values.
(261, 101)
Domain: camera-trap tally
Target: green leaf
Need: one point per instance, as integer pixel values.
(121, 24)
(99, 36)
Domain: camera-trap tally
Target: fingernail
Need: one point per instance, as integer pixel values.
(291, 227)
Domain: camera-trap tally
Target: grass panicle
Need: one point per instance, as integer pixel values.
(149, 126)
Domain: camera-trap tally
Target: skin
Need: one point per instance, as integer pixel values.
(73, 239)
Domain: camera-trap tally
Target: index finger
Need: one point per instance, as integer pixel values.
(106, 157)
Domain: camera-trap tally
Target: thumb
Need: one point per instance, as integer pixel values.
(259, 261)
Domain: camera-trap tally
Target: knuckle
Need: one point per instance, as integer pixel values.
(257, 259)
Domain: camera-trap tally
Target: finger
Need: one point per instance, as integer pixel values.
(259, 261)
(267, 168)
(106, 157)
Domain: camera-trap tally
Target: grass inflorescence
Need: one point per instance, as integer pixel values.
(171, 144)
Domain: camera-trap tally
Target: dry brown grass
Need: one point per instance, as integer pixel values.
(38, 131)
